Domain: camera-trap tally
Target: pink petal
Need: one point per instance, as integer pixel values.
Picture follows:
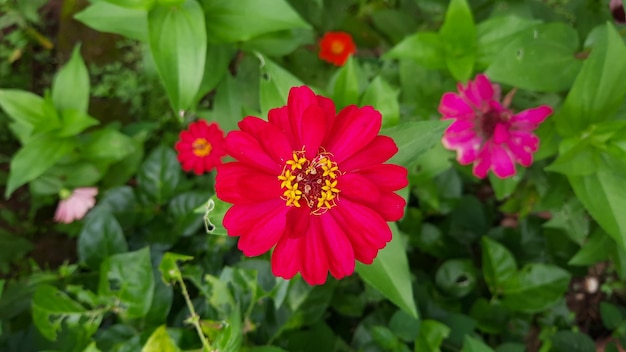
(468, 152)
(285, 258)
(338, 247)
(483, 163)
(528, 140)
(501, 133)
(352, 131)
(530, 119)
(238, 183)
(247, 149)
(387, 177)
(453, 106)
(313, 130)
(502, 164)
(480, 91)
(377, 152)
(86, 192)
(358, 188)
(522, 154)
(313, 255)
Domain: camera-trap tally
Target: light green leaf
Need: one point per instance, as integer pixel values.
(24, 107)
(275, 85)
(105, 17)
(599, 88)
(571, 219)
(228, 104)
(178, 42)
(74, 122)
(91, 348)
(389, 274)
(101, 237)
(108, 144)
(505, 187)
(471, 344)
(426, 48)
(498, 264)
(169, 269)
(160, 341)
(51, 309)
(432, 334)
(128, 277)
(32, 160)
(218, 57)
(414, 138)
(495, 33)
(234, 21)
(552, 44)
(70, 88)
(231, 337)
(535, 287)
(456, 277)
(458, 34)
(598, 248)
(133, 4)
(383, 98)
(345, 87)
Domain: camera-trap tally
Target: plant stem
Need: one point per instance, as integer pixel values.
(194, 318)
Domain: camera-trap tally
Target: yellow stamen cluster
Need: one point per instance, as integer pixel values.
(201, 147)
(314, 180)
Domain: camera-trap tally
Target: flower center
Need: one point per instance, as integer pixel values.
(312, 181)
(201, 147)
(337, 47)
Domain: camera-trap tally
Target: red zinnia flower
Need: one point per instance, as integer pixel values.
(486, 133)
(336, 47)
(201, 147)
(313, 185)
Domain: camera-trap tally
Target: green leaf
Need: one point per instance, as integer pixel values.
(70, 88)
(612, 315)
(133, 4)
(12, 247)
(91, 348)
(491, 317)
(569, 341)
(51, 308)
(74, 122)
(496, 33)
(389, 274)
(598, 90)
(231, 337)
(178, 42)
(345, 87)
(458, 34)
(471, 344)
(229, 21)
(577, 157)
(505, 187)
(383, 98)
(32, 160)
(535, 287)
(602, 195)
(274, 86)
(432, 334)
(105, 17)
(426, 48)
(498, 264)
(597, 249)
(218, 57)
(160, 341)
(128, 277)
(170, 272)
(24, 107)
(571, 219)
(456, 277)
(101, 237)
(414, 138)
(228, 104)
(159, 175)
(404, 326)
(108, 144)
(281, 43)
(182, 209)
(552, 44)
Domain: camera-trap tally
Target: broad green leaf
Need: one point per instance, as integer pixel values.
(498, 264)
(602, 194)
(52, 309)
(108, 144)
(91, 348)
(612, 315)
(169, 269)
(101, 237)
(491, 317)
(426, 48)
(178, 42)
(70, 88)
(495, 33)
(458, 34)
(383, 98)
(403, 325)
(218, 57)
(32, 160)
(12, 247)
(389, 273)
(74, 122)
(456, 277)
(414, 138)
(432, 334)
(228, 104)
(24, 107)
(577, 157)
(535, 287)
(569, 341)
(231, 337)
(133, 4)
(281, 43)
(229, 21)
(597, 249)
(105, 17)
(598, 90)
(275, 83)
(128, 277)
(345, 87)
(182, 210)
(553, 45)
(159, 175)
(160, 341)
(472, 344)
(571, 219)
(505, 187)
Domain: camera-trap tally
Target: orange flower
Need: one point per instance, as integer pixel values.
(336, 47)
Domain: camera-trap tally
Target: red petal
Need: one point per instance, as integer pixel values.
(313, 255)
(240, 218)
(300, 98)
(358, 188)
(272, 139)
(265, 232)
(313, 130)
(247, 149)
(353, 131)
(391, 206)
(297, 221)
(285, 258)
(238, 183)
(377, 152)
(279, 117)
(387, 177)
(338, 247)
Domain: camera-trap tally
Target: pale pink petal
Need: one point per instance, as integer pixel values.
(76, 206)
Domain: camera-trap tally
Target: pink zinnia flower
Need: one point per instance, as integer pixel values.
(485, 132)
(200, 147)
(312, 184)
(74, 205)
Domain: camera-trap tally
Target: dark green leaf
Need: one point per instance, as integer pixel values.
(612, 315)
(498, 264)
(471, 344)
(535, 287)
(432, 334)
(101, 237)
(70, 88)
(495, 33)
(458, 34)
(182, 208)
(105, 17)
(569, 341)
(159, 175)
(218, 57)
(456, 277)
(228, 104)
(491, 317)
(597, 249)
(505, 187)
(404, 326)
